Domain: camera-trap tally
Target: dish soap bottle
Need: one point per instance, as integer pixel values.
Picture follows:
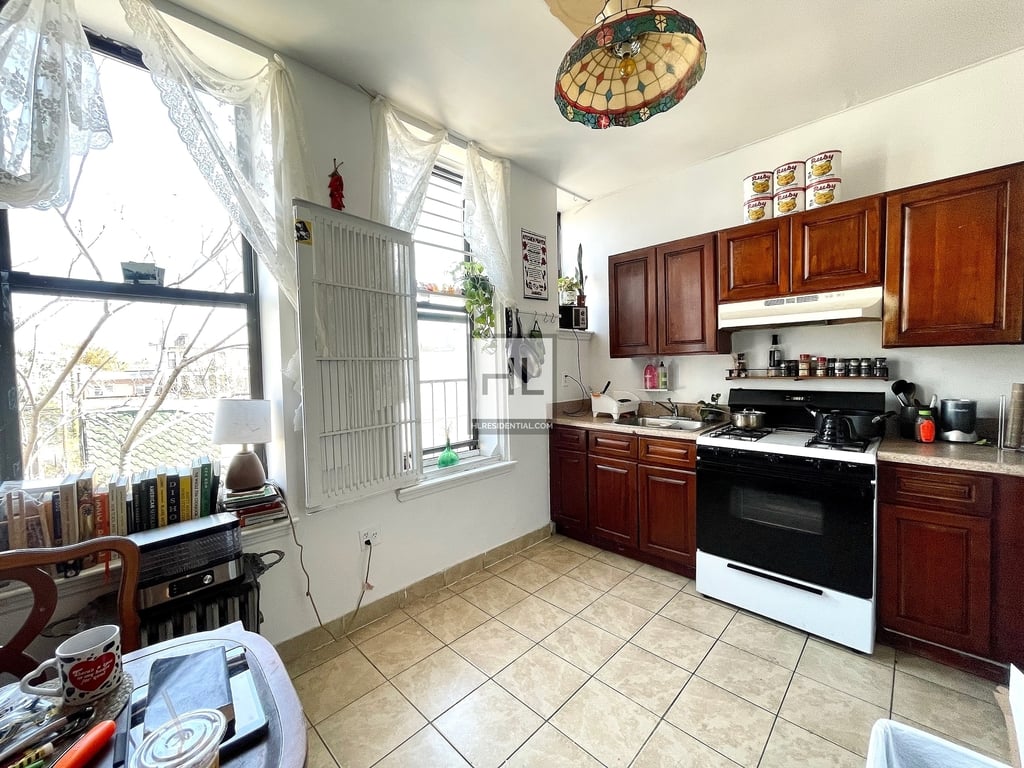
(662, 376)
(650, 377)
(774, 353)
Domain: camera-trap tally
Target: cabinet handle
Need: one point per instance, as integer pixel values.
(779, 579)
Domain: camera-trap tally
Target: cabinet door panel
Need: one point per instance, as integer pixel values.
(613, 500)
(614, 444)
(964, 492)
(687, 310)
(935, 576)
(568, 438)
(838, 246)
(667, 514)
(753, 261)
(569, 491)
(681, 454)
(954, 269)
(632, 304)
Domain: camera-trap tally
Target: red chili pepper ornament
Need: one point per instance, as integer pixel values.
(336, 187)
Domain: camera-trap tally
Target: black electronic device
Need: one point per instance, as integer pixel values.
(572, 317)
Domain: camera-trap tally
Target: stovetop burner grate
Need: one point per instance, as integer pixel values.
(736, 433)
(857, 446)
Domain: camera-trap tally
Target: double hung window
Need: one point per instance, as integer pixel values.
(445, 353)
(105, 363)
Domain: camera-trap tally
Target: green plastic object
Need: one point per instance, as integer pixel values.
(448, 457)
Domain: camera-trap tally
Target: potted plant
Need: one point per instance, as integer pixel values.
(581, 279)
(568, 290)
(478, 291)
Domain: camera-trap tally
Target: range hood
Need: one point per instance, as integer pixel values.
(854, 304)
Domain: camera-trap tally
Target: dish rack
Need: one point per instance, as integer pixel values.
(617, 403)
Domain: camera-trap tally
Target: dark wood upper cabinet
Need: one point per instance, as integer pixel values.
(954, 270)
(662, 300)
(687, 310)
(753, 261)
(838, 246)
(632, 304)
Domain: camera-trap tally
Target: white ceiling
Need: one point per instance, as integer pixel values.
(485, 69)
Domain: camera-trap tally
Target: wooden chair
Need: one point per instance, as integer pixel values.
(29, 567)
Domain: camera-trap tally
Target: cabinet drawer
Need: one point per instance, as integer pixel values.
(613, 444)
(667, 453)
(568, 438)
(936, 489)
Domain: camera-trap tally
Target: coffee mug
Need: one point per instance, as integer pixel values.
(88, 667)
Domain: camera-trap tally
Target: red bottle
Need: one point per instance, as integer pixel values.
(650, 377)
(924, 427)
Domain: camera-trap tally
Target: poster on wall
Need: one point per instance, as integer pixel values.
(535, 266)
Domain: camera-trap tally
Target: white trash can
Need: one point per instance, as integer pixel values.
(894, 745)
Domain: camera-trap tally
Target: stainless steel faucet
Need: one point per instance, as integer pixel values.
(672, 408)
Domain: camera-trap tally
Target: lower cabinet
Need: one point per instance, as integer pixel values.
(613, 500)
(951, 561)
(568, 478)
(936, 576)
(630, 494)
(668, 499)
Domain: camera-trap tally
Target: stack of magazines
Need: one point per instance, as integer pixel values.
(258, 507)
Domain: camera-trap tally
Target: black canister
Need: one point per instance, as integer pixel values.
(908, 421)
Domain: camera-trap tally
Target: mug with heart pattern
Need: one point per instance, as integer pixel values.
(88, 667)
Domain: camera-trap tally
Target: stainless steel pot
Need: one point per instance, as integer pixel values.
(748, 419)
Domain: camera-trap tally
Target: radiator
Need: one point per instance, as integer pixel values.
(210, 609)
(357, 354)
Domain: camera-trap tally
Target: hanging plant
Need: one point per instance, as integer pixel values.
(478, 291)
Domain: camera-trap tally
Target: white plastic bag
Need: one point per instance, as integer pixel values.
(894, 745)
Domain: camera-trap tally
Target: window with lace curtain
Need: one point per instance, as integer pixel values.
(110, 374)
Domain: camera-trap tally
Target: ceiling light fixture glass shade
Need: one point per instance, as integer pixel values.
(632, 64)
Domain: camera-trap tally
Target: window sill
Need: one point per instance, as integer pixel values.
(570, 335)
(444, 482)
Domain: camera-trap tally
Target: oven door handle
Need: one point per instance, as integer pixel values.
(778, 579)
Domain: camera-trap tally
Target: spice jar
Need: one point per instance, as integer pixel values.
(924, 427)
(830, 366)
(865, 366)
(840, 366)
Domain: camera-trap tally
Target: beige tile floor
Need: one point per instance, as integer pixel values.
(570, 656)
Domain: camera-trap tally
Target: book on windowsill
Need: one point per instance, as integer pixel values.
(193, 681)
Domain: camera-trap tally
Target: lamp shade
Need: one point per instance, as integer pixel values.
(631, 65)
(242, 422)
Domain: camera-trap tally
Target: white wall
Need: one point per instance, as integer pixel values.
(963, 122)
(422, 536)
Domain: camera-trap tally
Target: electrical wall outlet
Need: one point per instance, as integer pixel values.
(565, 380)
(369, 534)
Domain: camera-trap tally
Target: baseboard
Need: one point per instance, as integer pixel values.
(342, 625)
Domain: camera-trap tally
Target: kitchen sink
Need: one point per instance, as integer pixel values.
(667, 422)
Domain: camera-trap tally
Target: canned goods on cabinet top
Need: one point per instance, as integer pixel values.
(789, 201)
(757, 185)
(824, 165)
(757, 209)
(789, 175)
(824, 193)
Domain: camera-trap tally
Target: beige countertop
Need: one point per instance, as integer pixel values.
(604, 422)
(965, 456)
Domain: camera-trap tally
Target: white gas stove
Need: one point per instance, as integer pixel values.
(791, 442)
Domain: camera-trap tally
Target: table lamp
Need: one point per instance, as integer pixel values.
(243, 422)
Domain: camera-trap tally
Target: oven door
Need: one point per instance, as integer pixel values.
(808, 519)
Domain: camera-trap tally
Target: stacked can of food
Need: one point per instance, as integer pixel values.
(789, 188)
(757, 196)
(824, 180)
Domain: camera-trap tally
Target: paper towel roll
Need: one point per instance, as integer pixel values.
(1015, 417)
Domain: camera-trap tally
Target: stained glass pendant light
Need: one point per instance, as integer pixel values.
(636, 61)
